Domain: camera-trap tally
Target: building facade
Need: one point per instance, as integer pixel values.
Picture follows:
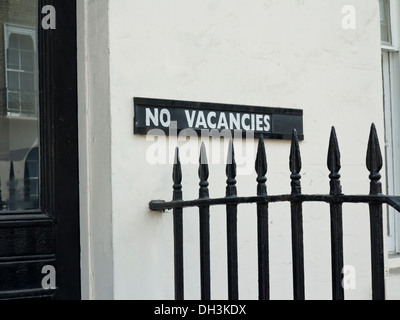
(335, 62)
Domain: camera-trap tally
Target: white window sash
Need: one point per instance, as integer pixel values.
(26, 31)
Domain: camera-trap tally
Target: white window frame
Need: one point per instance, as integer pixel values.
(10, 29)
(391, 91)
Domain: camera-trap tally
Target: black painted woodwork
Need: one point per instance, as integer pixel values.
(30, 240)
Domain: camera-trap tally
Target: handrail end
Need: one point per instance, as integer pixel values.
(157, 205)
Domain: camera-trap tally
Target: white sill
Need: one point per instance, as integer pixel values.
(389, 48)
(18, 116)
(393, 262)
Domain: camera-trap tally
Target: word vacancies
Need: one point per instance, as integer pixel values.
(273, 123)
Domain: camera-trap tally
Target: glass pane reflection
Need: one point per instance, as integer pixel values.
(19, 107)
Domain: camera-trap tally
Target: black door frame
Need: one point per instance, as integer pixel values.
(50, 236)
(59, 133)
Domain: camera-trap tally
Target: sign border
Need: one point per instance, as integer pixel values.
(222, 107)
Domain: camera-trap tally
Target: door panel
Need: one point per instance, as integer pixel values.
(39, 203)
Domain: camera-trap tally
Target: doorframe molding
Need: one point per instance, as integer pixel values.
(94, 99)
(59, 138)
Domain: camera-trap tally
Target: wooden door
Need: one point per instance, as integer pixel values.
(39, 203)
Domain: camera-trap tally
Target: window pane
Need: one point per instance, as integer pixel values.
(27, 82)
(384, 6)
(25, 42)
(27, 60)
(13, 80)
(13, 41)
(13, 102)
(33, 168)
(13, 59)
(19, 122)
(34, 187)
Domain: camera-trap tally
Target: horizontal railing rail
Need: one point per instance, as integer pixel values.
(375, 199)
(161, 205)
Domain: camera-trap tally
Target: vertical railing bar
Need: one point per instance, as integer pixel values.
(231, 222)
(336, 218)
(262, 223)
(297, 221)
(337, 251)
(204, 212)
(374, 165)
(178, 230)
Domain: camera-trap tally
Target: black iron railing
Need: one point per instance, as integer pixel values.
(335, 199)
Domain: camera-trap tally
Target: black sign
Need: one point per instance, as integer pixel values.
(171, 117)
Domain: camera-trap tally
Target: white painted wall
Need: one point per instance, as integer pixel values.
(292, 54)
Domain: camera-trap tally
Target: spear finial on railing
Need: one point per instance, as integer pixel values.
(334, 164)
(261, 167)
(204, 221)
(203, 172)
(177, 177)
(262, 223)
(231, 224)
(374, 161)
(178, 229)
(374, 165)
(231, 171)
(336, 218)
(295, 164)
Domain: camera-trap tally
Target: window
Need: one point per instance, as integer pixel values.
(19, 107)
(384, 6)
(389, 13)
(21, 71)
